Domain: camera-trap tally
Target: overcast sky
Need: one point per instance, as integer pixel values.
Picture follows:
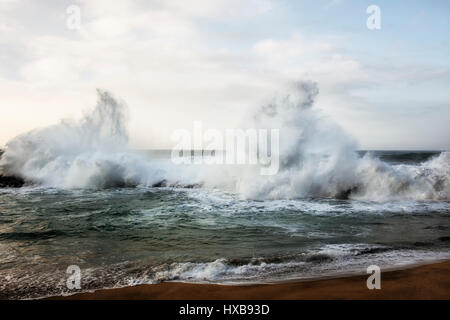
(175, 62)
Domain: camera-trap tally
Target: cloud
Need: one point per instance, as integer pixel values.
(301, 57)
(170, 61)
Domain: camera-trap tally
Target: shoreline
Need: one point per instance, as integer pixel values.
(429, 281)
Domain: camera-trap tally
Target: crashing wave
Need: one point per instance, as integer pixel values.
(317, 158)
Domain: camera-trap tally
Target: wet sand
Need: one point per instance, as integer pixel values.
(422, 282)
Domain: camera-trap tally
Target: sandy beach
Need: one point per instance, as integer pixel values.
(421, 282)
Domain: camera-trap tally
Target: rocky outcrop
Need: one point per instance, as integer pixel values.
(11, 182)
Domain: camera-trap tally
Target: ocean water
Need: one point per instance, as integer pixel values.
(127, 217)
(126, 236)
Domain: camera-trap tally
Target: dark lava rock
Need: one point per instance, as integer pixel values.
(345, 195)
(165, 183)
(160, 184)
(11, 182)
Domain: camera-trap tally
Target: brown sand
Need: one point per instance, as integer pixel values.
(424, 282)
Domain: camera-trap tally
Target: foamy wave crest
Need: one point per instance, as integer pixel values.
(377, 180)
(317, 158)
(92, 152)
(331, 260)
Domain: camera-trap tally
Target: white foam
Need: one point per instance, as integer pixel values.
(317, 158)
(345, 259)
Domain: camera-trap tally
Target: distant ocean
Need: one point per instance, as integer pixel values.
(127, 218)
